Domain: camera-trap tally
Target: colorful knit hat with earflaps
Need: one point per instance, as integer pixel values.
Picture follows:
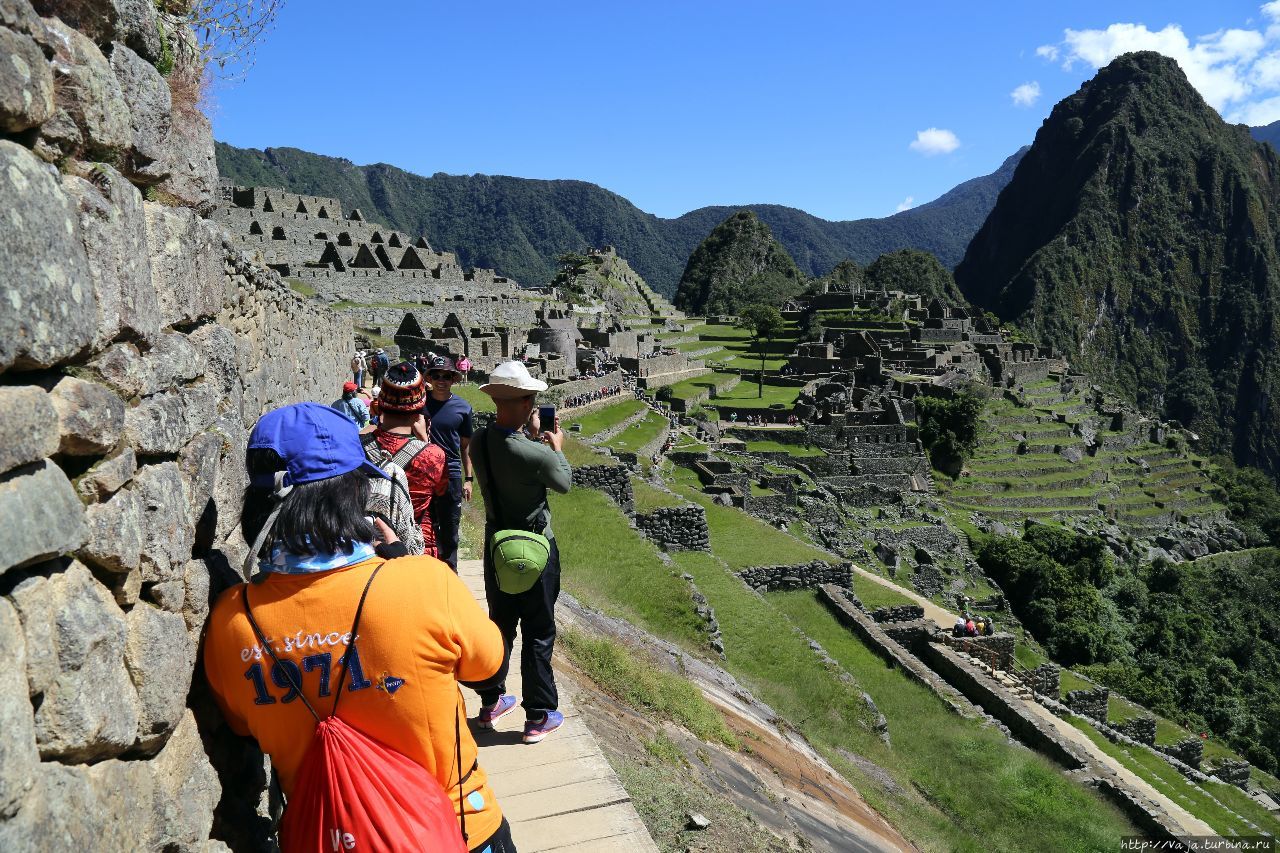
(402, 389)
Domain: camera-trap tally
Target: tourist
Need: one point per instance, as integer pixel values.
(351, 406)
(389, 498)
(323, 570)
(380, 366)
(514, 474)
(358, 367)
(970, 629)
(450, 418)
(403, 433)
(990, 629)
(464, 367)
(957, 630)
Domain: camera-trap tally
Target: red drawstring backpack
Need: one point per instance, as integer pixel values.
(354, 793)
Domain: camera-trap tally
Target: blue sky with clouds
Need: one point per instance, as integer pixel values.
(843, 109)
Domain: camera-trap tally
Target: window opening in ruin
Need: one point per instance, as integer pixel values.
(344, 239)
(412, 260)
(267, 207)
(324, 213)
(376, 238)
(277, 233)
(383, 258)
(421, 243)
(302, 208)
(321, 235)
(394, 242)
(255, 228)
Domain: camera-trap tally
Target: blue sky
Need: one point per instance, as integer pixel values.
(843, 109)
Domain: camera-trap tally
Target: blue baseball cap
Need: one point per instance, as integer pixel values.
(315, 441)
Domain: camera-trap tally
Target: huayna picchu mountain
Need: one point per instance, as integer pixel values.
(739, 264)
(1139, 236)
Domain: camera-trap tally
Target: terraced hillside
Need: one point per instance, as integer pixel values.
(1044, 456)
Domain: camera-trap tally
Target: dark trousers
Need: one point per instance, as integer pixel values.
(534, 613)
(446, 517)
(499, 842)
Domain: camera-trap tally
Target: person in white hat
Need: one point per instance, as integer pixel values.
(514, 474)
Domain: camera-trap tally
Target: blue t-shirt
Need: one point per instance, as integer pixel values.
(450, 422)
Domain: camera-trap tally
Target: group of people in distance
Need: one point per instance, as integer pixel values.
(357, 525)
(968, 625)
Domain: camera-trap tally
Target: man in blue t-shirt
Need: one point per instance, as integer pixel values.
(450, 417)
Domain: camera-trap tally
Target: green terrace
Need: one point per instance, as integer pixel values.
(638, 434)
(599, 420)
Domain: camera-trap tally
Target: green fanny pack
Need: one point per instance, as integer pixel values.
(518, 559)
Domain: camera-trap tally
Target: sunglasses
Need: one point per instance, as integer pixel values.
(435, 374)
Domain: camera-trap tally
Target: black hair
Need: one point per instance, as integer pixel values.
(321, 516)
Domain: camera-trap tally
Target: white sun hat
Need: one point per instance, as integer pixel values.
(511, 379)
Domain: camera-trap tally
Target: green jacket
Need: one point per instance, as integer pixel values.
(523, 470)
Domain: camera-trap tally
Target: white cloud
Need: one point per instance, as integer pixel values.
(1028, 93)
(935, 141)
(1236, 70)
(910, 201)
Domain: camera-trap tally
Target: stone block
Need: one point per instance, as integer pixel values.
(29, 428)
(219, 355)
(189, 159)
(121, 367)
(88, 95)
(186, 264)
(115, 533)
(113, 232)
(90, 417)
(160, 664)
(187, 789)
(42, 515)
(150, 104)
(199, 462)
(18, 754)
(90, 709)
(26, 83)
(49, 311)
(168, 596)
(104, 21)
(165, 422)
(109, 806)
(107, 477)
(18, 16)
(32, 603)
(167, 530)
(172, 361)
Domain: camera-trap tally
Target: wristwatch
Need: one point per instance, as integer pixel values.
(469, 479)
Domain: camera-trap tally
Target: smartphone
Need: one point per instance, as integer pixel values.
(547, 417)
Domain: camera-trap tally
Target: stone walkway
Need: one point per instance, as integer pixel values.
(945, 619)
(560, 794)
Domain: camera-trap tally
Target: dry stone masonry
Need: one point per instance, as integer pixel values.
(803, 575)
(680, 528)
(137, 348)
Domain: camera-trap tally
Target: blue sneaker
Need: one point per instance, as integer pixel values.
(536, 730)
(490, 714)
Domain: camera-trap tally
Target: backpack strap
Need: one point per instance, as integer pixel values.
(355, 626)
(288, 673)
(409, 451)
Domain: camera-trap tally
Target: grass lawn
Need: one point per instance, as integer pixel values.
(746, 395)
(607, 565)
(647, 498)
(1003, 798)
(580, 453)
(638, 434)
(741, 540)
(603, 418)
(300, 286)
(874, 595)
(1028, 657)
(687, 389)
(1069, 681)
(790, 449)
(479, 400)
(1161, 775)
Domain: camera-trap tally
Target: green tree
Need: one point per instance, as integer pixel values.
(765, 323)
(949, 428)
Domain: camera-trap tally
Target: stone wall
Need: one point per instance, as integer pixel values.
(1046, 680)
(898, 613)
(1141, 729)
(613, 480)
(817, 573)
(137, 348)
(681, 528)
(1189, 751)
(1090, 703)
(1233, 773)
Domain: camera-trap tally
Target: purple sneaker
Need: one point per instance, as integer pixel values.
(536, 730)
(490, 714)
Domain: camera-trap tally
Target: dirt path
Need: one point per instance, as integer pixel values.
(944, 619)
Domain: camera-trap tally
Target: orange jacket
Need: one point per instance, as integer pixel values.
(420, 633)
